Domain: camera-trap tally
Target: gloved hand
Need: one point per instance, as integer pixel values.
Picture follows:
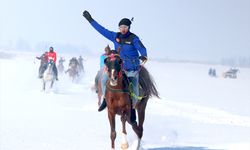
(143, 59)
(87, 15)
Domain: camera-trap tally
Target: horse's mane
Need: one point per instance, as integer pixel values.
(147, 82)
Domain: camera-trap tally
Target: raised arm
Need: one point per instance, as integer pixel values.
(103, 31)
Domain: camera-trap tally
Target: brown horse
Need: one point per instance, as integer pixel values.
(119, 101)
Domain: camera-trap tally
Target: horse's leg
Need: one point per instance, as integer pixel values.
(52, 82)
(138, 129)
(124, 133)
(99, 89)
(99, 99)
(44, 85)
(111, 116)
(141, 117)
(135, 127)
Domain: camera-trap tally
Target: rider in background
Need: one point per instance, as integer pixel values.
(74, 61)
(103, 57)
(130, 46)
(43, 63)
(60, 65)
(51, 55)
(73, 64)
(80, 60)
(102, 73)
(61, 60)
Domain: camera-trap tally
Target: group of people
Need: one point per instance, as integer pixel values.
(51, 57)
(212, 72)
(130, 46)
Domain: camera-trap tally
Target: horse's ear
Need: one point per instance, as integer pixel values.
(119, 50)
(107, 48)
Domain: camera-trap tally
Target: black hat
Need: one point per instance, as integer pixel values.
(51, 49)
(125, 21)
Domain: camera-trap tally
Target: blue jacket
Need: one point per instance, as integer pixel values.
(130, 45)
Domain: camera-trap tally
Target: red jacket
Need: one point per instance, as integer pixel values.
(51, 55)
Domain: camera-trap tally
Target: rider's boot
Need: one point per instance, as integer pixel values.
(103, 105)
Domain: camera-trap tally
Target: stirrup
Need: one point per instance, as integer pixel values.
(103, 105)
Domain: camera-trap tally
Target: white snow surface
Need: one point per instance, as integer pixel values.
(195, 112)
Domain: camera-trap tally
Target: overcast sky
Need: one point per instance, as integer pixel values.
(184, 29)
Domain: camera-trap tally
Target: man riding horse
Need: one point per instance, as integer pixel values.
(43, 64)
(80, 61)
(73, 68)
(51, 55)
(102, 75)
(130, 46)
(60, 64)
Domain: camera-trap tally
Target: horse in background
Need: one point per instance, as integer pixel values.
(60, 68)
(99, 76)
(232, 73)
(98, 86)
(73, 69)
(60, 65)
(81, 67)
(119, 100)
(49, 75)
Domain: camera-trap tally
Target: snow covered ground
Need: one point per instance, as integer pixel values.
(195, 112)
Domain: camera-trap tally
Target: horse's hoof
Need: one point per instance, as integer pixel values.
(124, 146)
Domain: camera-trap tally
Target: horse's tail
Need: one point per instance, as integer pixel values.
(147, 83)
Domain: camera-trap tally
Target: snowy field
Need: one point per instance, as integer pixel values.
(195, 112)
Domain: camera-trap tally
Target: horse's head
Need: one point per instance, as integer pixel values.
(114, 65)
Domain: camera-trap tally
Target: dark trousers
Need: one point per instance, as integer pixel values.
(55, 69)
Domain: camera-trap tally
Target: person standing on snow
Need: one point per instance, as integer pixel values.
(130, 46)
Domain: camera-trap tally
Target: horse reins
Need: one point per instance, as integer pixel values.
(112, 58)
(117, 90)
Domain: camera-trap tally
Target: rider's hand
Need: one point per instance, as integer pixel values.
(87, 15)
(143, 59)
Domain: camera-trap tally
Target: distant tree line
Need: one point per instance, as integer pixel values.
(23, 45)
(236, 61)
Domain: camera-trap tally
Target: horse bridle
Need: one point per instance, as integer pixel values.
(112, 57)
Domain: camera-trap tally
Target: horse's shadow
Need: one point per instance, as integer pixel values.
(182, 148)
